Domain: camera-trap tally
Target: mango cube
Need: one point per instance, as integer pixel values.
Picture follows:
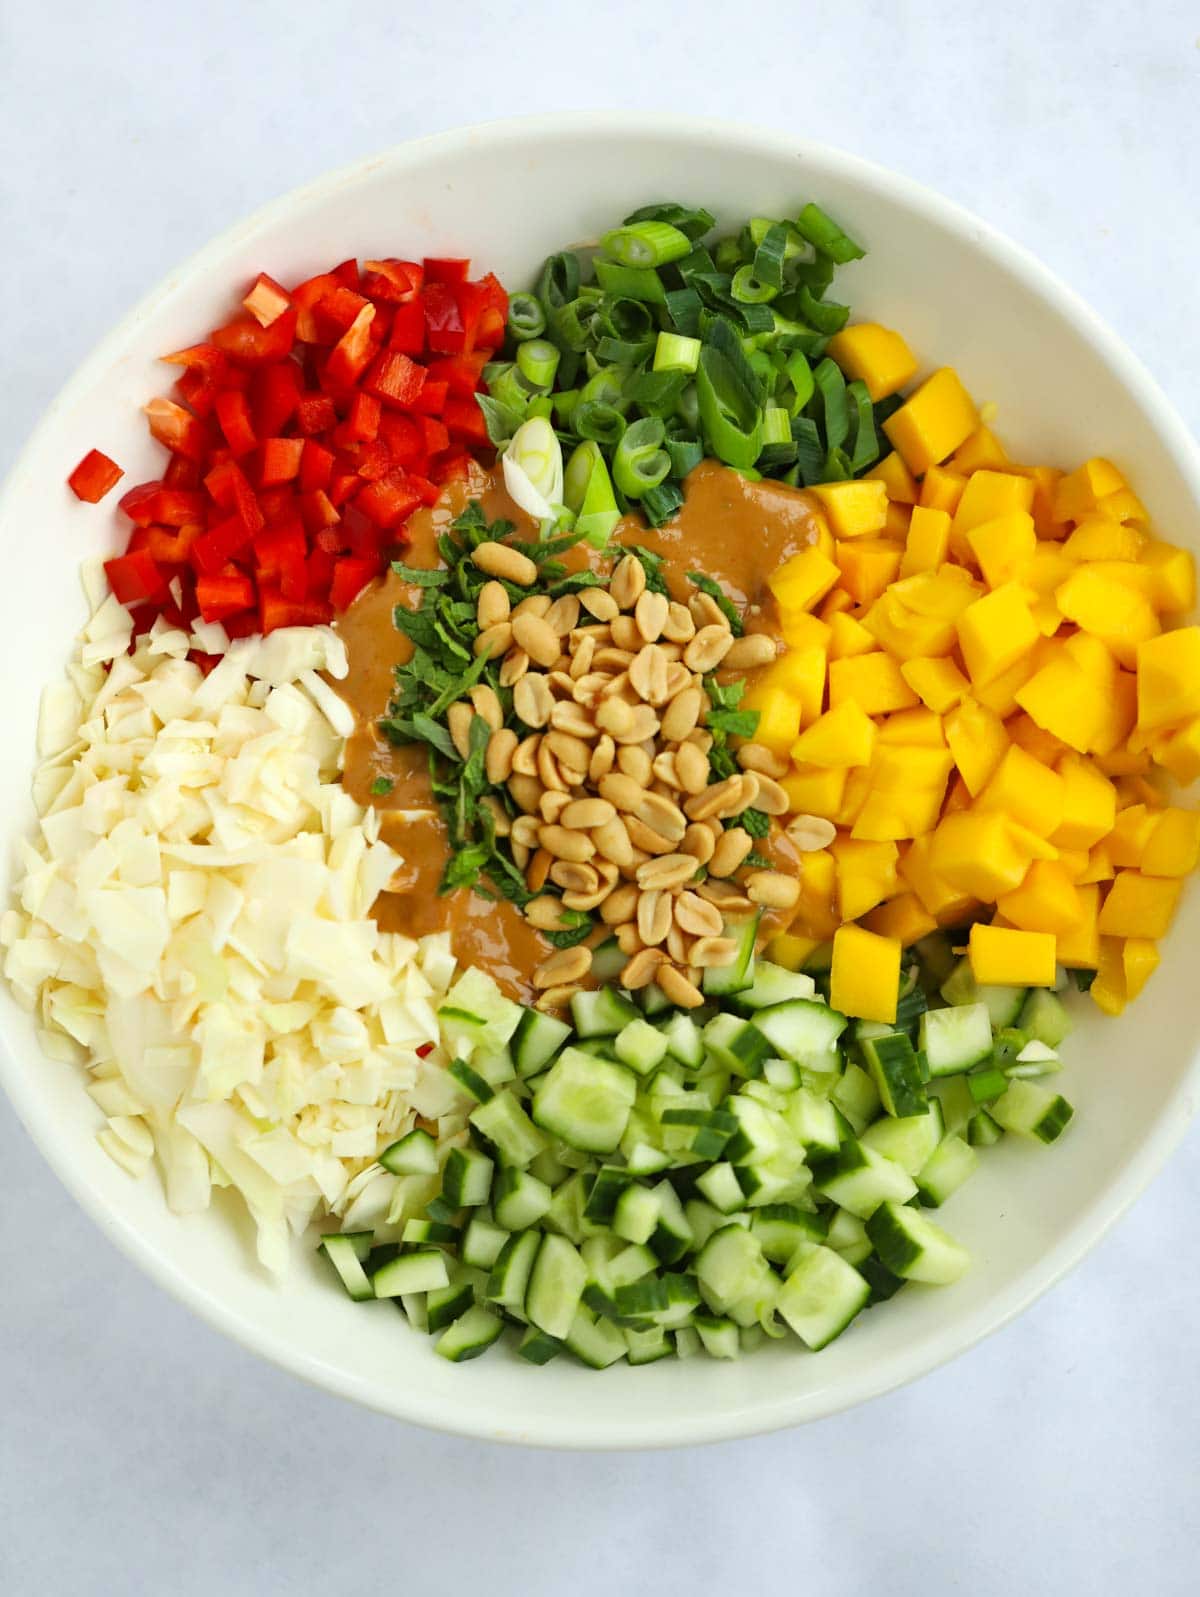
(1168, 678)
(1089, 804)
(790, 950)
(1139, 906)
(995, 632)
(1131, 832)
(1079, 948)
(841, 737)
(1001, 957)
(980, 854)
(977, 739)
(1180, 754)
(982, 451)
(1081, 491)
(895, 476)
(872, 681)
(1101, 538)
(916, 728)
(939, 683)
(927, 542)
(935, 893)
(864, 979)
(868, 566)
(1003, 545)
(1109, 609)
(1108, 991)
(941, 489)
(1173, 848)
(1173, 576)
(1046, 901)
(875, 356)
(815, 790)
(988, 495)
(1026, 790)
(1139, 961)
(855, 508)
(904, 917)
(1063, 699)
(804, 580)
(866, 875)
(904, 633)
(934, 422)
(848, 637)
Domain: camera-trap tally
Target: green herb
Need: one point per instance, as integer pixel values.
(724, 720)
(756, 822)
(652, 565)
(577, 928)
(759, 861)
(734, 723)
(716, 593)
(381, 786)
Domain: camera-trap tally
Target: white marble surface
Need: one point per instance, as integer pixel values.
(139, 1452)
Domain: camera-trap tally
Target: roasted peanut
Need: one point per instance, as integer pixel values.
(499, 560)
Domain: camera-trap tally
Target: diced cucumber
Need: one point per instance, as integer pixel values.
(672, 1235)
(803, 1030)
(556, 1286)
(858, 1179)
(510, 1274)
(611, 1181)
(821, 1295)
(346, 1253)
(548, 1167)
(880, 1279)
(985, 1086)
(947, 1167)
(497, 1068)
(893, 1066)
(641, 1046)
(608, 960)
(911, 1245)
(1044, 1016)
(425, 1231)
(470, 1335)
(737, 1044)
(595, 1342)
(1002, 1003)
(1032, 1111)
(467, 1178)
(585, 1101)
(847, 1235)
(470, 1080)
(760, 1133)
(481, 1242)
(503, 1121)
(644, 1160)
(730, 1266)
(687, 1342)
(685, 1042)
(773, 985)
(721, 1187)
(653, 1001)
(414, 1155)
(857, 1096)
(718, 1336)
(537, 1347)
(957, 1103)
(602, 1013)
(565, 1214)
(413, 1304)
(813, 1121)
(445, 1304)
(537, 1039)
(781, 1228)
(982, 1130)
(630, 1264)
(736, 977)
(955, 1039)
(636, 1214)
(784, 1073)
(424, 1271)
(908, 1141)
(647, 1347)
(521, 1199)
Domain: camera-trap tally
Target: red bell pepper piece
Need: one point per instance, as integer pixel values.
(332, 540)
(181, 473)
(350, 577)
(304, 297)
(279, 460)
(389, 501)
(228, 485)
(465, 420)
(495, 296)
(408, 328)
(282, 555)
(349, 357)
(317, 511)
(274, 396)
(213, 362)
(335, 311)
(221, 596)
(362, 419)
(276, 611)
(472, 302)
(431, 401)
(435, 433)
(344, 483)
(402, 435)
(374, 460)
(266, 301)
(134, 578)
(315, 413)
(490, 332)
(215, 548)
(172, 548)
(176, 428)
(233, 417)
(319, 571)
(443, 270)
(347, 273)
(462, 373)
(429, 492)
(245, 342)
(395, 379)
(316, 466)
(94, 476)
(198, 392)
(443, 319)
(394, 282)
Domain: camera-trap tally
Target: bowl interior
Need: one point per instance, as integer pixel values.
(507, 196)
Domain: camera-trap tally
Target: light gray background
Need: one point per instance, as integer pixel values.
(141, 1453)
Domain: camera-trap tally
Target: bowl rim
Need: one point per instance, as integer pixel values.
(564, 1430)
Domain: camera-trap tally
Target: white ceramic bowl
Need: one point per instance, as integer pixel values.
(507, 195)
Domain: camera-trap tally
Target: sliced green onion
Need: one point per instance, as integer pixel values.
(624, 352)
(646, 244)
(660, 504)
(607, 386)
(688, 408)
(656, 393)
(699, 261)
(526, 318)
(693, 220)
(727, 255)
(866, 441)
(770, 255)
(533, 467)
(732, 420)
(683, 308)
(540, 405)
(564, 404)
(810, 451)
(686, 454)
(538, 360)
(571, 324)
(501, 420)
(560, 279)
(824, 234)
(824, 315)
(641, 462)
(507, 388)
(631, 282)
(595, 420)
(831, 388)
(836, 467)
(673, 353)
(625, 318)
(799, 373)
(588, 491)
(776, 426)
(748, 290)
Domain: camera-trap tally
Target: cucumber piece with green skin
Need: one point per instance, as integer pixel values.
(911, 1245)
(781, 1228)
(760, 1132)
(496, 1069)
(772, 985)
(1032, 1111)
(947, 1167)
(672, 1236)
(720, 1185)
(687, 1342)
(858, 1179)
(985, 1086)
(470, 1081)
(610, 1182)
(481, 1243)
(346, 1253)
(470, 1335)
(721, 980)
(908, 1141)
(608, 961)
(413, 1155)
(783, 1073)
(467, 1178)
(821, 1296)
(653, 1001)
(601, 1013)
(503, 1121)
(1044, 1017)
(1003, 1003)
(892, 1064)
(1035, 1059)
(857, 1096)
(413, 1304)
(847, 1235)
(883, 1283)
(510, 1273)
(956, 1101)
(565, 1215)
(584, 1100)
(647, 1347)
(424, 1271)
(813, 1121)
(802, 1030)
(636, 1214)
(704, 1218)
(718, 1336)
(644, 1160)
(640, 1046)
(594, 1341)
(420, 1232)
(730, 1267)
(685, 1041)
(538, 1348)
(954, 1040)
(737, 1044)
(520, 1199)
(547, 1166)
(982, 1130)
(537, 1039)
(446, 1304)
(556, 1285)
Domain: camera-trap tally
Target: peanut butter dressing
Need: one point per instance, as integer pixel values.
(735, 531)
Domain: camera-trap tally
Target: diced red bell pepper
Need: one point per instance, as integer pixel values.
(244, 341)
(335, 312)
(435, 433)
(276, 611)
(495, 294)
(183, 474)
(443, 320)
(319, 572)
(228, 485)
(282, 556)
(274, 396)
(316, 466)
(219, 544)
(152, 501)
(408, 328)
(233, 417)
(304, 297)
(429, 492)
(134, 578)
(198, 392)
(472, 302)
(344, 483)
(489, 334)
(402, 435)
(452, 466)
(349, 357)
(347, 274)
(465, 421)
(392, 281)
(167, 548)
(317, 511)
(221, 596)
(431, 401)
(315, 413)
(463, 373)
(374, 460)
(443, 270)
(350, 577)
(94, 476)
(176, 428)
(332, 540)
(389, 501)
(395, 379)
(279, 460)
(362, 419)
(278, 504)
(266, 301)
(206, 358)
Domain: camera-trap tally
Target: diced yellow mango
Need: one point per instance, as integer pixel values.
(904, 917)
(1089, 804)
(1108, 991)
(1168, 678)
(1002, 957)
(927, 542)
(995, 632)
(1063, 699)
(791, 951)
(1079, 948)
(1046, 901)
(897, 523)
(982, 451)
(903, 632)
(1139, 906)
(895, 476)
(937, 895)
(1046, 569)
(977, 740)
(939, 417)
(1173, 573)
(1138, 789)
(866, 875)
(1099, 867)
(864, 979)
(1045, 481)
(1099, 538)
(980, 854)
(1123, 505)
(1028, 791)
(1132, 830)
(958, 798)
(872, 681)
(1123, 762)
(1000, 694)
(818, 893)
(1173, 848)
(1118, 615)
(841, 737)
(1035, 740)
(855, 508)
(800, 673)
(848, 637)
(815, 790)
(937, 683)
(941, 489)
(804, 631)
(779, 717)
(839, 599)
(1080, 491)
(917, 728)
(906, 788)
(854, 796)
(874, 355)
(1003, 545)
(1180, 754)
(1139, 961)
(867, 566)
(804, 580)
(988, 496)
(942, 595)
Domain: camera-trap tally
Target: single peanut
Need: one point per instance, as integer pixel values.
(525, 791)
(772, 889)
(563, 614)
(539, 641)
(708, 951)
(539, 870)
(730, 851)
(565, 966)
(691, 767)
(574, 877)
(584, 814)
(698, 842)
(552, 804)
(653, 917)
(679, 626)
(496, 639)
(642, 969)
(498, 758)
(650, 614)
(513, 667)
(681, 715)
(678, 988)
(620, 905)
(458, 720)
(564, 844)
(757, 757)
(492, 606)
(670, 870)
(601, 762)
(628, 582)
(499, 560)
(748, 653)
(612, 842)
(600, 603)
(697, 916)
(811, 832)
(546, 913)
(708, 648)
(532, 700)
